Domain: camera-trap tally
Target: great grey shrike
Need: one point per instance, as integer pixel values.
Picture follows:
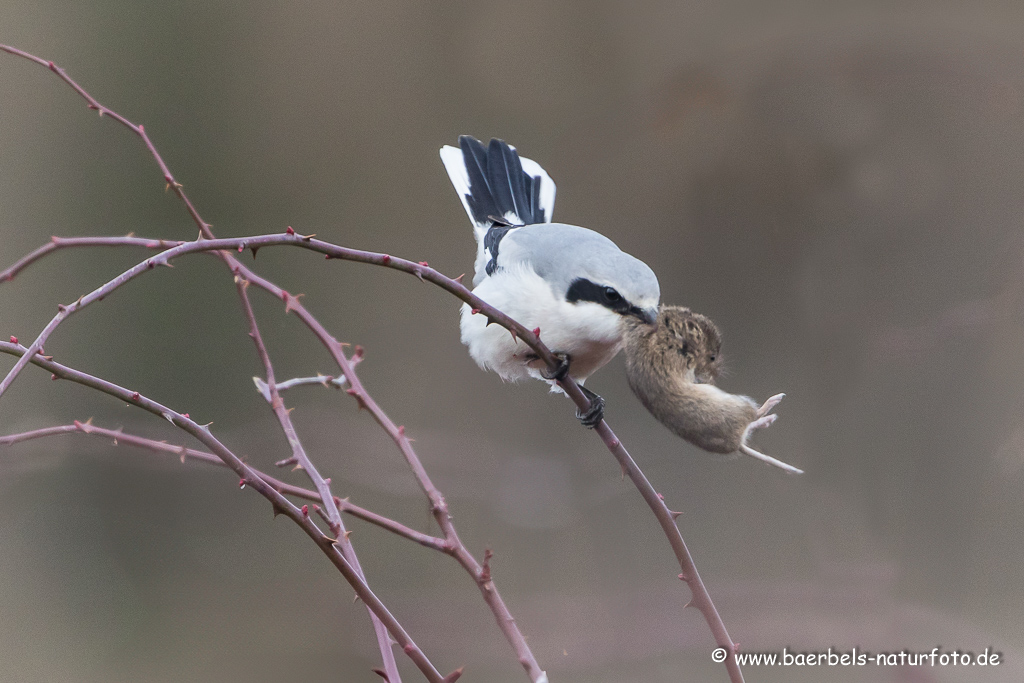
(574, 284)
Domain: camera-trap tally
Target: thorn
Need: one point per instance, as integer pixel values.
(287, 461)
(453, 676)
(515, 339)
(358, 397)
(241, 483)
(277, 510)
(306, 238)
(289, 230)
(459, 278)
(485, 570)
(297, 468)
(254, 250)
(348, 532)
(490, 321)
(675, 515)
(292, 302)
(381, 673)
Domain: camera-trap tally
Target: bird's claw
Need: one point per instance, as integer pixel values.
(561, 372)
(590, 417)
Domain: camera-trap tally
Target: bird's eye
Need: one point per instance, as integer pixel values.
(713, 359)
(612, 295)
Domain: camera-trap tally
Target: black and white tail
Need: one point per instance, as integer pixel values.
(498, 188)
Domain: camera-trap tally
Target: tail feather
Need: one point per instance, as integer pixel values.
(508, 185)
(494, 182)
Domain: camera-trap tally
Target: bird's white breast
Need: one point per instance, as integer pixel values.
(589, 333)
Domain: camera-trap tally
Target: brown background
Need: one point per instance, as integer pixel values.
(836, 184)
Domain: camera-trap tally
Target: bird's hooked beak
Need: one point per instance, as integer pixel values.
(648, 316)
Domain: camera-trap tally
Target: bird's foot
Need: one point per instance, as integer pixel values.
(590, 417)
(561, 372)
(765, 418)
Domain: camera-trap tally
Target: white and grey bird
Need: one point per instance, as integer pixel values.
(574, 284)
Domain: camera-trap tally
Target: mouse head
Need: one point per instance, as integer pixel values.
(694, 337)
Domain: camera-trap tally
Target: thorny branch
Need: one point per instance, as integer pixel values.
(503, 617)
(118, 437)
(666, 518)
(249, 477)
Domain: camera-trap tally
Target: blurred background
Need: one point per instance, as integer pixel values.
(836, 185)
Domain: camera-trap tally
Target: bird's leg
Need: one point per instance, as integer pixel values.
(595, 413)
(561, 372)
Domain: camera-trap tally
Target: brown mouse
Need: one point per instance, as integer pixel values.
(671, 367)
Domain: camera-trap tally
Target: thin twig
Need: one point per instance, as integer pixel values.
(119, 437)
(321, 380)
(56, 243)
(334, 521)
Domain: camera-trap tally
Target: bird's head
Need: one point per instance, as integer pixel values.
(623, 285)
